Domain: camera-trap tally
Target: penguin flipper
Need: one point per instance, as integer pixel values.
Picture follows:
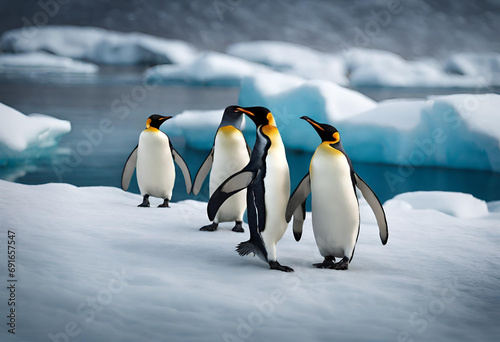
(203, 172)
(184, 168)
(229, 187)
(299, 216)
(298, 197)
(376, 206)
(128, 169)
(249, 149)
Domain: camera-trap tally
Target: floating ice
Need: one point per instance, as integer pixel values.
(289, 98)
(459, 131)
(482, 65)
(383, 68)
(97, 45)
(43, 62)
(28, 136)
(209, 69)
(293, 59)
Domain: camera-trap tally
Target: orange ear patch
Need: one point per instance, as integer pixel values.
(148, 123)
(270, 119)
(336, 137)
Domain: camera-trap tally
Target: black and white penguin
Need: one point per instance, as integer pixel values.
(154, 158)
(335, 209)
(230, 153)
(267, 180)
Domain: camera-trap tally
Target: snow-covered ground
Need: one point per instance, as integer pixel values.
(28, 136)
(43, 62)
(91, 266)
(98, 45)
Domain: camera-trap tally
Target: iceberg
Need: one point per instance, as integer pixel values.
(208, 69)
(458, 131)
(290, 97)
(483, 65)
(31, 136)
(196, 127)
(43, 62)
(102, 269)
(97, 45)
(374, 68)
(293, 59)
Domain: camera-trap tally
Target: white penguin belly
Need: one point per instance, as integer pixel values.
(155, 166)
(230, 156)
(335, 209)
(277, 192)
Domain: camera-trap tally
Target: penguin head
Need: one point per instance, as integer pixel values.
(156, 120)
(326, 132)
(259, 115)
(232, 117)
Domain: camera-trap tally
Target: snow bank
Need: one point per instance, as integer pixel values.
(293, 59)
(383, 68)
(482, 65)
(98, 45)
(290, 97)
(43, 62)
(89, 259)
(23, 137)
(458, 131)
(209, 68)
(451, 203)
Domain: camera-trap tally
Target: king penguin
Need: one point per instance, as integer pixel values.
(154, 158)
(230, 153)
(335, 209)
(267, 180)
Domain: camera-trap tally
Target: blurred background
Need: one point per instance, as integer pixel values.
(70, 59)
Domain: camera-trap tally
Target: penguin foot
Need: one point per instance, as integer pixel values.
(210, 227)
(341, 265)
(274, 265)
(145, 202)
(165, 204)
(329, 262)
(238, 227)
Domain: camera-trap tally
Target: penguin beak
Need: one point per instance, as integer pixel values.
(245, 111)
(165, 118)
(313, 123)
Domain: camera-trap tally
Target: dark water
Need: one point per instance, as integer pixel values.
(126, 103)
